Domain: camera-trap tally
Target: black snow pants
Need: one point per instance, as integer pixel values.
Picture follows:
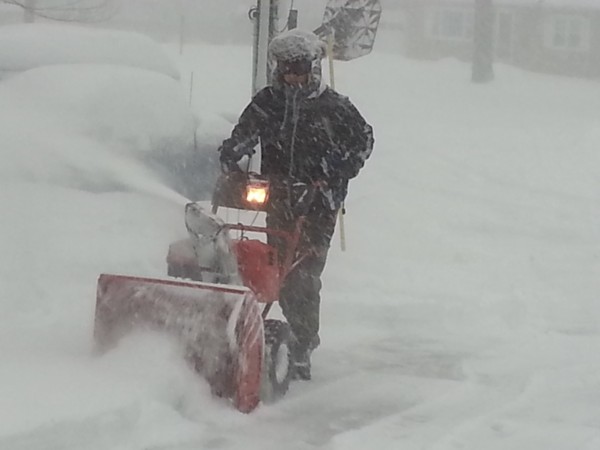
(300, 295)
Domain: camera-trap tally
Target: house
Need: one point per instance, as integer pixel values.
(550, 36)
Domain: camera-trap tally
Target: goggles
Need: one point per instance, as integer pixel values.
(298, 67)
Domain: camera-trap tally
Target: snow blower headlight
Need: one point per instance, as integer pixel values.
(257, 193)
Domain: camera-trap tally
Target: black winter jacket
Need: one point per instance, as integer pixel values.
(323, 138)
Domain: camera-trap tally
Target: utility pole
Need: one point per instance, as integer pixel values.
(265, 17)
(483, 42)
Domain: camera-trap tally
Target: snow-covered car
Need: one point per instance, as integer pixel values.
(27, 46)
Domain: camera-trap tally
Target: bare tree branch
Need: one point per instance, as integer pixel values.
(68, 10)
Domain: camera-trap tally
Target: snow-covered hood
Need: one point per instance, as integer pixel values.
(295, 45)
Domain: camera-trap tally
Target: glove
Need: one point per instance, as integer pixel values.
(230, 156)
(334, 163)
(230, 167)
(228, 160)
(339, 164)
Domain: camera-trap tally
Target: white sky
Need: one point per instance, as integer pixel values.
(464, 314)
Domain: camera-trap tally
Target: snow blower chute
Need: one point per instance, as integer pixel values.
(211, 300)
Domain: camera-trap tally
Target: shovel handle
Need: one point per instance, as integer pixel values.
(341, 213)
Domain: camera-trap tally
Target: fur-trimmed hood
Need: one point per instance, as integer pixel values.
(297, 45)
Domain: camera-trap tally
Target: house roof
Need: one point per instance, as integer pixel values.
(561, 4)
(558, 3)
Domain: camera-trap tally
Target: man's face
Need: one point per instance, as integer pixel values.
(295, 73)
(295, 80)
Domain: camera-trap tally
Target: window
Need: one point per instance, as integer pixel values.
(453, 24)
(568, 33)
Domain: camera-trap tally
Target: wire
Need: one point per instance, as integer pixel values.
(255, 217)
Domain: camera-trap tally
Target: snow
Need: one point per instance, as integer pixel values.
(26, 46)
(296, 44)
(463, 315)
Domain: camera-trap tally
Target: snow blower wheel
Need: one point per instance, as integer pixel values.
(278, 366)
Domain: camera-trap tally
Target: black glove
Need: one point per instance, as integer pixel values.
(339, 163)
(334, 163)
(230, 156)
(230, 167)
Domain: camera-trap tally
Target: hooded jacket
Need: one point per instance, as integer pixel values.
(308, 134)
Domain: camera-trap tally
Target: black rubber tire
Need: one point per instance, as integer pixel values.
(278, 371)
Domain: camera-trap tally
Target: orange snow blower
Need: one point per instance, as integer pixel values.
(211, 300)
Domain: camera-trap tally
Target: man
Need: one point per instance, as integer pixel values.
(308, 133)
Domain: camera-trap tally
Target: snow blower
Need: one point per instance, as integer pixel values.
(211, 299)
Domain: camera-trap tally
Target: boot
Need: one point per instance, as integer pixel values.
(301, 364)
(300, 357)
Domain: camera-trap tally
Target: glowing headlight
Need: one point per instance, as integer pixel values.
(257, 194)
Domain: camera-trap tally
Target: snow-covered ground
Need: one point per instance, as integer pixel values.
(463, 315)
